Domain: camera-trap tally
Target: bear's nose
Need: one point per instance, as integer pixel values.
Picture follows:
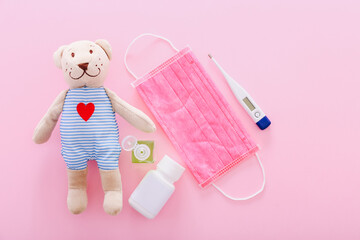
(83, 66)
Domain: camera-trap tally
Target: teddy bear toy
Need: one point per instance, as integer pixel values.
(88, 126)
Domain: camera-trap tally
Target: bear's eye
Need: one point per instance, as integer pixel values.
(91, 51)
(73, 54)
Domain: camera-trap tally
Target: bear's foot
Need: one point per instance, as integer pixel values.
(113, 202)
(111, 183)
(77, 200)
(77, 196)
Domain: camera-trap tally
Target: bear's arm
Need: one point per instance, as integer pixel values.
(131, 114)
(47, 124)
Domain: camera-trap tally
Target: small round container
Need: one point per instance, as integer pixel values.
(141, 151)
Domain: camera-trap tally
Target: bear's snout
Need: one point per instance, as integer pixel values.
(83, 66)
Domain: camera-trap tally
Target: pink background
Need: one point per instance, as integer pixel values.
(299, 60)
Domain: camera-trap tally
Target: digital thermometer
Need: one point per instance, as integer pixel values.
(245, 99)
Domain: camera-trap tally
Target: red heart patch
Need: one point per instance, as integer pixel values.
(85, 111)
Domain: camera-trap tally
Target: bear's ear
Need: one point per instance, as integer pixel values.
(58, 55)
(105, 45)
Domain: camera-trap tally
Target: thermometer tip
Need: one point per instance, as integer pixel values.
(210, 56)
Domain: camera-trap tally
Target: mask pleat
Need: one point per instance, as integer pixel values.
(208, 118)
(232, 121)
(173, 105)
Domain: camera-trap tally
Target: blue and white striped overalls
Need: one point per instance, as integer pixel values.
(97, 138)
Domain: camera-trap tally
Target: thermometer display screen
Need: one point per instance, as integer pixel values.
(249, 104)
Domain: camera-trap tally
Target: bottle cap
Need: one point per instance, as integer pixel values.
(129, 143)
(171, 168)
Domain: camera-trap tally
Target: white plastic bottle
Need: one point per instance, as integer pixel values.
(156, 187)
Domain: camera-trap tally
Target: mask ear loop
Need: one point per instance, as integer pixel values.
(135, 39)
(252, 195)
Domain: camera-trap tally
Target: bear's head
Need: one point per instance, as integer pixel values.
(84, 63)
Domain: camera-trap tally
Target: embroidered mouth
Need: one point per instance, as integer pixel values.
(84, 72)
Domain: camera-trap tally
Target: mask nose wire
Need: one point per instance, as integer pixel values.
(135, 39)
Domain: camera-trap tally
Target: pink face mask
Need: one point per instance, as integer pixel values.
(195, 116)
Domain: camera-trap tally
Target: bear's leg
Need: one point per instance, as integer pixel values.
(77, 196)
(111, 183)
